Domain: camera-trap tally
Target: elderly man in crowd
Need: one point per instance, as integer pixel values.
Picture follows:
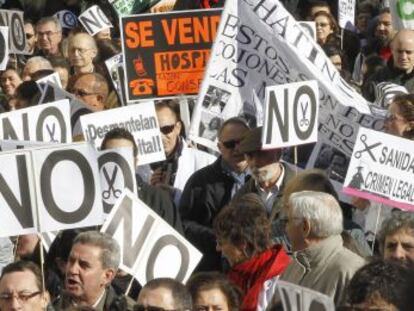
(82, 51)
(400, 70)
(92, 265)
(321, 262)
(164, 293)
(49, 36)
(92, 89)
(34, 65)
(21, 288)
(396, 238)
(182, 161)
(209, 189)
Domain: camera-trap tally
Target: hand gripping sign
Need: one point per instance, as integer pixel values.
(150, 248)
(291, 115)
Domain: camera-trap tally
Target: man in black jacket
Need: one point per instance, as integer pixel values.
(209, 189)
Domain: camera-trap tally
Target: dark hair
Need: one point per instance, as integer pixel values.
(59, 61)
(204, 281)
(181, 295)
(107, 49)
(234, 120)
(405, 103)
(41, 74)
(119, 133)
(390, 280)
(245, 222)
(22, 266)
(171, 104)
(28, 90)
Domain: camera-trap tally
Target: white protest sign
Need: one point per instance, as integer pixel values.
(295, 297)
(17, 38)
(140, 120)
(67, 19)
(402, 13)
(291, 115)
(53, 78)
(94, 20)
(48, 238)
(9, 144)
(150, 248)
(68, 188)
(346, 14)
(117, 170)
(47, 123)
(112, 67)
(381, 169)
(310, 27)
(4, 47)
(17, 194)
(259, 44)
(385, 92)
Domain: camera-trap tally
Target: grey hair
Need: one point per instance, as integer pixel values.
(41, 61)
(50, 19)
(110, 251)
(322, 210)
(397, 221)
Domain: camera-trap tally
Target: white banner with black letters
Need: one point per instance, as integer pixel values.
(46, 123)
(346, 14)
(291, 115)
(381, 169)
(94, 20)
(140, 120)
(150, 247)
(4, 47)
(260, 44)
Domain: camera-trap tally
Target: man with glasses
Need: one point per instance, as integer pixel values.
(209, 189)
(21, 288)
(82, 51)
(164, 294)
(49, 36)
(182, 161)
(31, 38)
(92, 89)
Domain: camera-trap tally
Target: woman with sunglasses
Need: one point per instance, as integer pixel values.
(326, 26)
(243, 236)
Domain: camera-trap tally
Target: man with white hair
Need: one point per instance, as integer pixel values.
(33, 65)
(321, 262)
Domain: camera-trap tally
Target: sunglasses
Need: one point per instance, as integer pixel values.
(231, 144)
(167, 129)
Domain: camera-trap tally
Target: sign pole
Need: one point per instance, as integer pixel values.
(42, 263)
(129, 286)
(376, 229)
(295, 158)
(342, 39)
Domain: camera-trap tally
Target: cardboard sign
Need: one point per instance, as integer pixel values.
(346, 14)
(126, 7)
(8, 145)
(52, 188)
(140, 120)
(94, 20)
(117, 170)
(67, 19)
(47, 123)
(381, 169)
(52, 92)
(295, 297)
(17, 38)
(291, 115)
(53, 78)
(68, 187)
(310, 27)
(260, 44)
(150, 248)
(385, 92)
(402, 12)
(112, 67)
(4, 47)
(165, 54)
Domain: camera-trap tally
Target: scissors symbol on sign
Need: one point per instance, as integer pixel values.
(304, 121)
(110, 181)
(363, 139)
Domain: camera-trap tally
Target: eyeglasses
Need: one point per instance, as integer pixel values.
(150, 308)
(47, 33)
(167, 129)
(231, 144)
(322, 24)
(81, 51)
(82, 93)
(21, 296)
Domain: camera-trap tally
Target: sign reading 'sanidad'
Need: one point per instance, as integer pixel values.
(140, 120)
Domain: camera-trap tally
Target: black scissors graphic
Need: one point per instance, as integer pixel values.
(116, 192)
(363, 139)
(304, 121)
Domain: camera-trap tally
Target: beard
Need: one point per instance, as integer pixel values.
(262, 175)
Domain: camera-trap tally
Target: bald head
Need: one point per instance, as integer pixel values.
(402, 46)
(92, 89)
(82, 51)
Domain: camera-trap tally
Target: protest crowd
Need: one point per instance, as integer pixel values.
(207, 155)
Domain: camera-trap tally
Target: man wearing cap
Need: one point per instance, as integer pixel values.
(269, 174)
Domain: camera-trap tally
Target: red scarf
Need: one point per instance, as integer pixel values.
(250, 275)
